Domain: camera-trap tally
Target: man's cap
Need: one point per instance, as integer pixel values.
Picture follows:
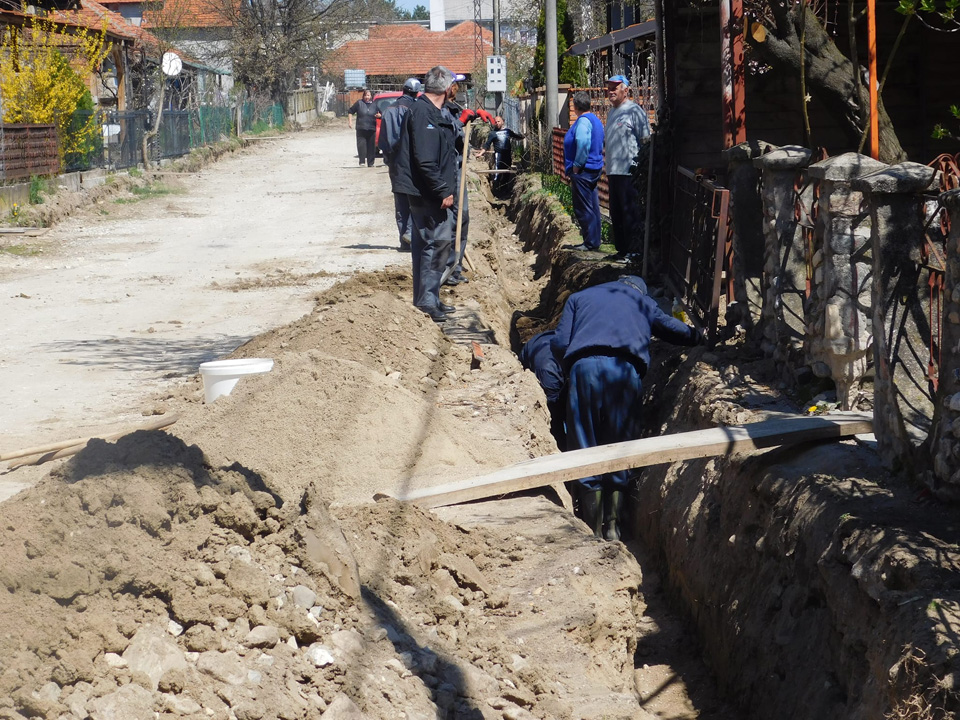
(459, 77)
(634, 281)
(618, 79)
(412, 86)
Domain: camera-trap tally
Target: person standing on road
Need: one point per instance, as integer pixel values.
(583, 163)
(500, 140)
(627, 128)
(603, 344)
(389, 139)
(367, 115)
(425, 167)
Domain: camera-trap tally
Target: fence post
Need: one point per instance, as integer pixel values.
(840, 329)
(745, 212)
(782, 317)
(946, 442)
(896, 206)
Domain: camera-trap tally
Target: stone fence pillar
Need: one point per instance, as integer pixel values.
(782, 324)
(946, 445)
(840, 327)
(746, 212)
(901, 334)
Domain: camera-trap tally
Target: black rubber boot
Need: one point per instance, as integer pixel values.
(612, 514)
(591, 510)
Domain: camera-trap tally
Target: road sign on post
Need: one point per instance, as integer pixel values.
(496, 73)
(355, 78)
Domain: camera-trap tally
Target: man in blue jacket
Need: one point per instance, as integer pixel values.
(388, 141)
(425, 167)
(603, 344)
(583, 163)
(537, 356)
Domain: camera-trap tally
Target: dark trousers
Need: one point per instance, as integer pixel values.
(365, 148)
(604, 406)
(431, 250)
(502, 182)
(405, 226)
(586, 205)
(624, 213)
(456, 259)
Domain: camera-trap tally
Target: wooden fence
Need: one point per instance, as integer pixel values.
(28, 150)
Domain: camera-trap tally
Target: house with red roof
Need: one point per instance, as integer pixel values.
(391, 53)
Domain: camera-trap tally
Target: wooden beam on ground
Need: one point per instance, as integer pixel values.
(578, 464)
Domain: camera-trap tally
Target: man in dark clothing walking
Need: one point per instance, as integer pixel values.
(603, 344)
(388, 141)
(425, 167)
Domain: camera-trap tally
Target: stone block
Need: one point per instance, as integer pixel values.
(844, 168)
(906, 177)
(747, 151)
(153, 652)
(786, 157)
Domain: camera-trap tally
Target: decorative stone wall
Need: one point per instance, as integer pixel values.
(903, 402)
(840, 323)
(782, 324)
(946, 445)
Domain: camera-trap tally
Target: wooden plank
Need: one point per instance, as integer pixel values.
(577, 464)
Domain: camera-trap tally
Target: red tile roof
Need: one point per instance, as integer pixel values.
(191, 14)
(411, 50)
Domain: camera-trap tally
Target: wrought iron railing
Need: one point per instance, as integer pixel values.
(698, 259)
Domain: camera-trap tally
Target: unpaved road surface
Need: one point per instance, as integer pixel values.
(130, 296)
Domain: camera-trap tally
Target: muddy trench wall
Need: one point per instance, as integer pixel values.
(817, 587)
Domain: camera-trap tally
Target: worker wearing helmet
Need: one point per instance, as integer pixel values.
(389, 135)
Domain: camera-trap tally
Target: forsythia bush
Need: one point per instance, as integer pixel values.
(40, 85)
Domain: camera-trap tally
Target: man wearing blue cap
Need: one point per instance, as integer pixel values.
(627, 128)
(603, 344)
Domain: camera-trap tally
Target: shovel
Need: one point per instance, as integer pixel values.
(448, 271)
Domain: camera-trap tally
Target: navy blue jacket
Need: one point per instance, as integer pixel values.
(616, 318)
(538, 357)
(425, 161)
(595, 155)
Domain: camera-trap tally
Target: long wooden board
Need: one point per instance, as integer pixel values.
(578, 464)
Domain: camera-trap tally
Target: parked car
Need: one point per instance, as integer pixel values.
(383, 100)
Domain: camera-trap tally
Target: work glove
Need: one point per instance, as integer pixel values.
(467, 115)
(485, 116)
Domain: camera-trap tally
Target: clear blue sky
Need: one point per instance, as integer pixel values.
(411, 4)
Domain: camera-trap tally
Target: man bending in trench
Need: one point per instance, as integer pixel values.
(603, 344)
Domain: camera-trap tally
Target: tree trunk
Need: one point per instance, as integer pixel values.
(150, 134)
(829, 73)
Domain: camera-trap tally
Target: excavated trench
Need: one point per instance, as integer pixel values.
(818, 584)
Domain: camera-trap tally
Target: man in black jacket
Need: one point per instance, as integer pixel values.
(389, 139)
(425, 168)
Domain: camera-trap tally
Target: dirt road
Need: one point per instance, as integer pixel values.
(123, 299)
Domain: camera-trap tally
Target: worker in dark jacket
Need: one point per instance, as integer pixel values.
(537, 356)
(388, 141)
(603, 344)
(425, 167)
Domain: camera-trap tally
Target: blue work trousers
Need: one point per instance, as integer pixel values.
(625, 213)
(604, 406)
(586, 205)
(430, 248)
(405, 226)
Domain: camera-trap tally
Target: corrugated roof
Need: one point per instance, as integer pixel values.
(411, 50)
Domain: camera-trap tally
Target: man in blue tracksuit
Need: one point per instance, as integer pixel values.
(583, 163)
(603, 344)
(389, 139)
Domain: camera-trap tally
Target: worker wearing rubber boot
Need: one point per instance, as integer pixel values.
(603, 344)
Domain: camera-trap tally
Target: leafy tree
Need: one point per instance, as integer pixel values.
(39, 84)
(570, 69)
(420, 12)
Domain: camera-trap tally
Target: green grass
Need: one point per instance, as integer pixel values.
(21, 250)
(38, 186)
(144, 192)
(553, 185)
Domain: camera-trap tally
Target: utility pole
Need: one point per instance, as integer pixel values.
(496, 27)
(551, 69)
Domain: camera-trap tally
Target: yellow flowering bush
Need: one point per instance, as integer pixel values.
(41, 77)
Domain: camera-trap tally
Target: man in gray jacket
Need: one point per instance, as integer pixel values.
(388, 141)
(627, 128)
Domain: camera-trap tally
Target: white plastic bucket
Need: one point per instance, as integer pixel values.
(220, 376)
